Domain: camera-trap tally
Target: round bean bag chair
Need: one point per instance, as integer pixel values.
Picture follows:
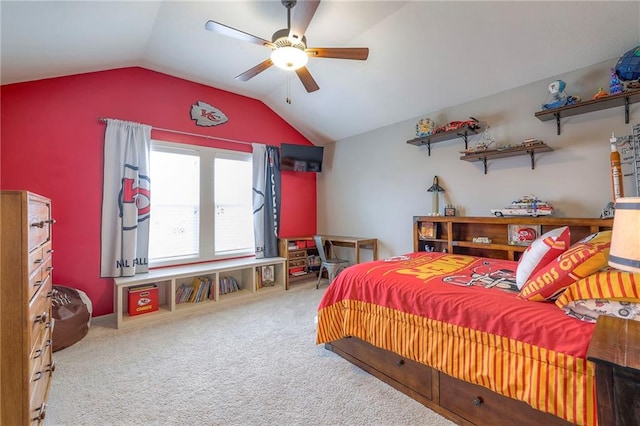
(71, 309)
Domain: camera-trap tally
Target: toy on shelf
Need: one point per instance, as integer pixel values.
(559, 97)
(436, 189)
(425, 127)
(600, 94)
(617, 190)
(472, 124)
(483, 145)
(615, 85)
(528, 205)
(628, 68)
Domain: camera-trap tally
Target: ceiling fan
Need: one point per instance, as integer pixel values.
(289, 45)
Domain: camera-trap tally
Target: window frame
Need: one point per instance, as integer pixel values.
(207, 155)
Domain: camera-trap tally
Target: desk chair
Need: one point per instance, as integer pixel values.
(332, 265)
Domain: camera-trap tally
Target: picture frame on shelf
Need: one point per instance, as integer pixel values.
(268, 275)
(523, 235)
(428, 231)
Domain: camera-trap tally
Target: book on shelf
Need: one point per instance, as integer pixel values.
(200, 288)
(228, 285)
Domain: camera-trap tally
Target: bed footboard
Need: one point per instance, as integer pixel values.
(461, 402)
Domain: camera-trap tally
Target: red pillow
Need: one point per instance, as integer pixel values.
(542, 251)
(584, 258)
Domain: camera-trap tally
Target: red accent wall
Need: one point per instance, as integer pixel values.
(52, 144)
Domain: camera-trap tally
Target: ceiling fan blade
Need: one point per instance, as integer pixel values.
(302, 13)
(307, 81)
(225, 30)
(359, 53)
(254, 71)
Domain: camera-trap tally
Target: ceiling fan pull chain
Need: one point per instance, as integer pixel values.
(288, 89)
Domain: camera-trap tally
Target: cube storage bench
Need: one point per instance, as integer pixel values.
(245, 271)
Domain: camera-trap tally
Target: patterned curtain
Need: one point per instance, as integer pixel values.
(125, 199)
(266, 199)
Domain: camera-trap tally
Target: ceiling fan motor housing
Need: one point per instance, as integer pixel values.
(281, 39)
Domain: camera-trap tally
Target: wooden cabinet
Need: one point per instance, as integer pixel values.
(25, 307)
(302, 258)
(615, 349)
(456, 234)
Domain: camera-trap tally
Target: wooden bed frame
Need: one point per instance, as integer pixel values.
(461, 402)
(469, 404)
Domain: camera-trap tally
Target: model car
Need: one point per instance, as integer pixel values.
(528, 206)
(472, 124)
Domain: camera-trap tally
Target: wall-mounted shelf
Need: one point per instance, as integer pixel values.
(463, 133)
(491, 154)
(625, 98)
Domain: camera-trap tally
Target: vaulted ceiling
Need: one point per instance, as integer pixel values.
(424, 55)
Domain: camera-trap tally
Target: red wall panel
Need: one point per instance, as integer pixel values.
(52, 144)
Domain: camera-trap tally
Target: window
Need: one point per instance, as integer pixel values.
(201, 204)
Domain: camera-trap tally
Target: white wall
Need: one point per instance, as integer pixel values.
(374, 183)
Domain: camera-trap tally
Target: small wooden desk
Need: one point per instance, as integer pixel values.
(356, 242)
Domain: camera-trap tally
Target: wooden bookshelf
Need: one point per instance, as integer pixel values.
(455, 234)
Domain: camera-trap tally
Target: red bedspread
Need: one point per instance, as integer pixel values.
(460, 315)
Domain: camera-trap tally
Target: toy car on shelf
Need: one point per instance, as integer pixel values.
(472, 124)
(526, 206)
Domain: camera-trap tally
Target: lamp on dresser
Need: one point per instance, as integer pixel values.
(625, 239)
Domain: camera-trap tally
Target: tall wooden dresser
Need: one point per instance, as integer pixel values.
(25, 307)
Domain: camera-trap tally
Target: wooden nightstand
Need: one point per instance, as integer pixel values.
(615, 349)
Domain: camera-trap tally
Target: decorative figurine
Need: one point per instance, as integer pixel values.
(615, 85)
(436, 189)
(559, 97)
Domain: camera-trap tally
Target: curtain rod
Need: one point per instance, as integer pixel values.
(104, 120)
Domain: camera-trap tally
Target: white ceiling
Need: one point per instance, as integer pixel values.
(424, 55)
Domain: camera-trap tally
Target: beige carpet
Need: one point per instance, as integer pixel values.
(249, 364)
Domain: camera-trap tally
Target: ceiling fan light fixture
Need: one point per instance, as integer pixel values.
(289, 58)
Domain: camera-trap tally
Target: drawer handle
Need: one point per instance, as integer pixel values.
(42, 318)
(37, 354)
(50, 221)
(38, 283)
(38, 261)
(38, 224)
(38, 376)
(50, 251)
(400, 362)
(51, 368)
(478, 401)
(49, 268)
(41, 412)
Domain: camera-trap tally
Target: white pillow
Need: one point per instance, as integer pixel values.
(541, 252)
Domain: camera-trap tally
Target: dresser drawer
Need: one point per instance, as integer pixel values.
(40, 312)
(300, 254)
(403, 370)
(39, 223)
(39, 391)
(482, 407)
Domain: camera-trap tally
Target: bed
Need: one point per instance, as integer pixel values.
(455, 333)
